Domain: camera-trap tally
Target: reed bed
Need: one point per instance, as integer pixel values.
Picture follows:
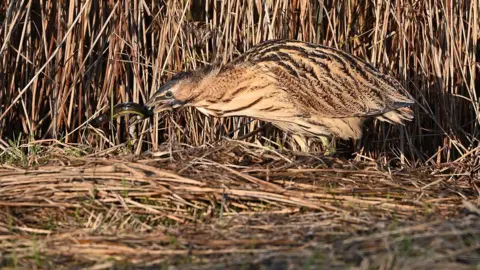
(193, 192)
(63, 63)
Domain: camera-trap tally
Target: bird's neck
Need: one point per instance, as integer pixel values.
(215, 86)
(230, 91)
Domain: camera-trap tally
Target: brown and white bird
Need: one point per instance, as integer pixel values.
(303, 88)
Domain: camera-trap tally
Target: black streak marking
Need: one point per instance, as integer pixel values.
(244, 107)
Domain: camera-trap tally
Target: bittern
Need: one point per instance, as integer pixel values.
(309, 90)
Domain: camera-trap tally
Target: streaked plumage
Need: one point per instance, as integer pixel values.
(304, 88)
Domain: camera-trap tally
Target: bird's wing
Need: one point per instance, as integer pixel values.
(334, 91)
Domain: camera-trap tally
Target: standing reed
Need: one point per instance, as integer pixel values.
(62, 62)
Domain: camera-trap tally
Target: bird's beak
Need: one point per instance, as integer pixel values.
(159, 104)
(162, 107)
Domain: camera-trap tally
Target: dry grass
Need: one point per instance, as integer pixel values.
(237, 205)
(184, 193)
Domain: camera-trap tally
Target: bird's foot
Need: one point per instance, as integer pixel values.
(328, 146)
(329, 151)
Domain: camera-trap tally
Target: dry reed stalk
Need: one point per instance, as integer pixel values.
(63, 62)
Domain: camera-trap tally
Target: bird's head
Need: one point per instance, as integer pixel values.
(177, 92)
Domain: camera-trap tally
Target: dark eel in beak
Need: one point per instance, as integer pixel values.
(122, 109)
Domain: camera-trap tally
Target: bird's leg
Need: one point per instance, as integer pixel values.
(358, 145)
(328, 146)
(302, 142)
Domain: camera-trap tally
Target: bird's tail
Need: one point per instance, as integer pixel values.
(397, 116)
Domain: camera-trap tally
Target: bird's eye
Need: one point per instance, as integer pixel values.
(168, 94)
